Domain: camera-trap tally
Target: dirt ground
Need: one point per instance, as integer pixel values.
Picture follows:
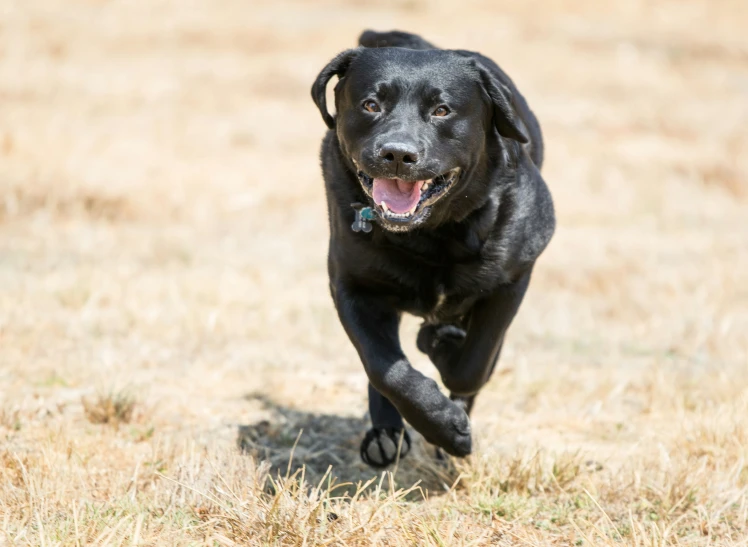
(165, 322)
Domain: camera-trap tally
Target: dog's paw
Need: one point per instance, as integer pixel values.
(379, 447)
(432, 338)
(460, 442)
(453, 434)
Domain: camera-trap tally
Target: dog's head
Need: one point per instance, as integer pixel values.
(413, 125)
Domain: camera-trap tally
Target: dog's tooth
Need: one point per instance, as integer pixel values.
(384, 206)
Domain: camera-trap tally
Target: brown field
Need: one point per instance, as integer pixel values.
(172, 371)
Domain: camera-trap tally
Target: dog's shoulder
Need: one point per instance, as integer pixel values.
(526, 218)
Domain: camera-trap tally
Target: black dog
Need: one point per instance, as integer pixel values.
(437, 208)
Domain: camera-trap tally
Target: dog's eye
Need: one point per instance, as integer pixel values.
(440, 111)
(371, 106)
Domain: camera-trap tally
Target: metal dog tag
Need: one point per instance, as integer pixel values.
(364, 216)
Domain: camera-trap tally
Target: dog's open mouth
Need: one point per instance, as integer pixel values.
(402, 201)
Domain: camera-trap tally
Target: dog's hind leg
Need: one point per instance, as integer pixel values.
(466, 359)
(442, 343)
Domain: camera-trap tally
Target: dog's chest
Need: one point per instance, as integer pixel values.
(449, 293)
(442, 281)
(440, 309)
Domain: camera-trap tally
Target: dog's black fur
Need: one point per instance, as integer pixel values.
(463, 262)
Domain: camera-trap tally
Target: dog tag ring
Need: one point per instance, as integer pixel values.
(364, 216)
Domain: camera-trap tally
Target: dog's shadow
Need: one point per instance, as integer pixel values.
(294, 439)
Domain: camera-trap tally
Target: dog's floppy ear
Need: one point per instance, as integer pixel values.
(504, 116)
(336, 67)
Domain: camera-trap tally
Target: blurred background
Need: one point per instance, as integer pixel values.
(163, 227)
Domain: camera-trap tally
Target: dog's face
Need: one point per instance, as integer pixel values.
(412, 125)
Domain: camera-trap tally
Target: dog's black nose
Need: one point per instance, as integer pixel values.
(399, 152)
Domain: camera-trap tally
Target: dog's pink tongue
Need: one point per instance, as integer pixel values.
(401, 196)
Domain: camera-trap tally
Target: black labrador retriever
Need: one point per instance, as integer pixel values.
(436, 208)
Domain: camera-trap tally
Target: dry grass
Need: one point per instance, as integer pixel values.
(113, 408)
(210, 496)
(162, 226)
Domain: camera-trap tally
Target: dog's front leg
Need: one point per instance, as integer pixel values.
(372, 325)
(387, 439)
